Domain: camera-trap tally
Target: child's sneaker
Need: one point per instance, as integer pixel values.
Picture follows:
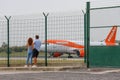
(34, 66)
(26, 66)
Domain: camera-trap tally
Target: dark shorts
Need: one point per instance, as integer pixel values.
(35, 53)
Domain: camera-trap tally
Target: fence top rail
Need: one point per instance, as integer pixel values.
(103, 26)
(105, 7)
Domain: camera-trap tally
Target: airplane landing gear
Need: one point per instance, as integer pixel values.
(69, 56)
(77, 52)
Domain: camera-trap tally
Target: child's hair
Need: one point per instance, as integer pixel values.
(37, 37)
(30, 41)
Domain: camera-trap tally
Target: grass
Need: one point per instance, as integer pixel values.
(18, 54)
(24, 54)
(19, 61)
(41, 62)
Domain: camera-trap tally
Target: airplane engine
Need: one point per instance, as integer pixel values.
(57, 54)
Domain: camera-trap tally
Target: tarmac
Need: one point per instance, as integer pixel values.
(59, 73)
(62, 68)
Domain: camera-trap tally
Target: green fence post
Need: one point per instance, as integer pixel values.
(45, 15)
(85, 56)
(88, 31)
(85, 38)
(8, 49)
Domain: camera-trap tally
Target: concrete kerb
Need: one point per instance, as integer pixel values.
(61, 68)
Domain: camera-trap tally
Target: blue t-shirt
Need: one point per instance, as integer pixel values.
(37, 44)
(29, 49)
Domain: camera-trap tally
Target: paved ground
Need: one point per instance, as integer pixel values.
(68, 74)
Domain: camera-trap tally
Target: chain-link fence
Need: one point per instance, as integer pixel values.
(15, 30)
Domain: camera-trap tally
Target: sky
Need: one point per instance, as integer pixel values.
(18, 7)
(27, 7)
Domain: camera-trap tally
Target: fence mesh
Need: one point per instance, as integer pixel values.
(102, 21)
(66, 27)
(59, 27)
(3, 42)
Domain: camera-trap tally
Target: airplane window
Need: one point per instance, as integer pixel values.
(47, 43)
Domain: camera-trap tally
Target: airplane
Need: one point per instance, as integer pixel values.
(57, 48)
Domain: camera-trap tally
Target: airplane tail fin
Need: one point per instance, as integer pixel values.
(111, 36)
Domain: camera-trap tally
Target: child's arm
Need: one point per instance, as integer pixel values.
(32, 45)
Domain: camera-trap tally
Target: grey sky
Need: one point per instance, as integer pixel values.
(18, 7)
(37, 6)
(26, 7)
